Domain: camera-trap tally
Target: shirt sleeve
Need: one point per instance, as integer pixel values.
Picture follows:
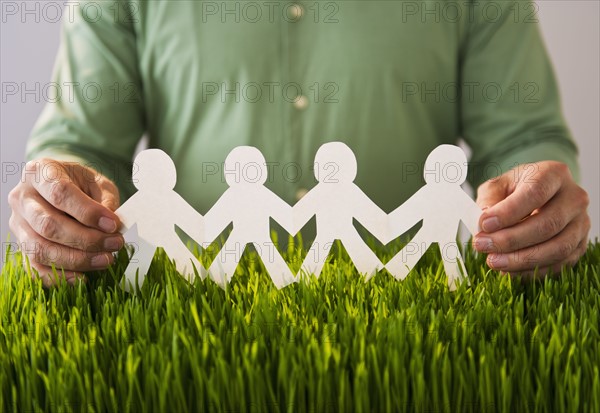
(94, 111)
(510, 106)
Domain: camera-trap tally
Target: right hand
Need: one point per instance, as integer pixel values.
(62, 215)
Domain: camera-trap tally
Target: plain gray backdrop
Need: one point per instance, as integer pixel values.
(570, 29)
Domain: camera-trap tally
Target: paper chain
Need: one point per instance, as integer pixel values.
(336, 200)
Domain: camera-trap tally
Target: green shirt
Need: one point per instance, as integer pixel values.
(392, 79)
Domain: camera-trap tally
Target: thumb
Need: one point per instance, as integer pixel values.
(102, 190)
(491, 193)
(106, 193)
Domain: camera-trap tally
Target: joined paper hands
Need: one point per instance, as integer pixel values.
(335, 201)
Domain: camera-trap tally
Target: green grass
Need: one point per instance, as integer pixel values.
(334, 344)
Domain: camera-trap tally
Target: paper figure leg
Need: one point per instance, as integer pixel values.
(453, 263)
(185, 262)
(316, 256)
(138, 264)
(278, 269)
(364, 259)
(223, 267)
(403, 262)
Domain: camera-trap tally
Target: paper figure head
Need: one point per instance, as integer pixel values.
(245, 165)
(446, 164)
(335, 162)
(154, 169)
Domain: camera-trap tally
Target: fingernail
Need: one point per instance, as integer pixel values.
(107, 224)
(483, 244)
(490, 224)
(497, 261)
(100, 261)
(113, 244)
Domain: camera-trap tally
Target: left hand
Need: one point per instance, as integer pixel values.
(535, 216)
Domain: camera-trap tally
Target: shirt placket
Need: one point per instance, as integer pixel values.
(295, 98)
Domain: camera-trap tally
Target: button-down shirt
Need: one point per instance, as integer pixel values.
(392, 79)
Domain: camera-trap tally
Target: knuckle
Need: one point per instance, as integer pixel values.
(565, 248)
(72, 261)
(572, 260)
(75, 260)
(112, 187)
(531, 172)
(507, 242)
(492, 184)
(582, 248)
(86, 213)
(11, 222)
(538, 192)
(582, 197)
(111, 191)
(37, 252)
(33, 166)
(112, 202)
(577, 253)
(41, 273)
(89, 243)
(57, 194)
(14, 196)
(550, 226)
(14, 226)
(530, 257)
(556, 167)
(89, 175)
(102, 179)
(47, 226)
(561, 168)
(485, 187)
(587, 224)
(43, 161)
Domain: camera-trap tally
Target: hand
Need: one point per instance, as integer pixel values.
(62, 215)
(534, 216)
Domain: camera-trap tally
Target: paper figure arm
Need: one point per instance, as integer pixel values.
(373, 218)
(406, 215)
(127, 213)
(217, 218)
(188, 219)
(471, 214)
(281, 212)
(304, 210)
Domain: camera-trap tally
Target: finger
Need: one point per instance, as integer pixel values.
(492, 191)
(554, 270)
(551, 219)
(97, 186)
(529, 194)
(55, 226)
(48, 253)
(104, 191)
(64, 195)
(557, 250)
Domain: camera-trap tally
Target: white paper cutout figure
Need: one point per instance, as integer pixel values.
(441, 204)
(336, 200)
(249, 205)
(155, 209)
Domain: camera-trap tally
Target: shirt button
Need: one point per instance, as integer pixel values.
(300, 193)
(295, 12)
(301, 102)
